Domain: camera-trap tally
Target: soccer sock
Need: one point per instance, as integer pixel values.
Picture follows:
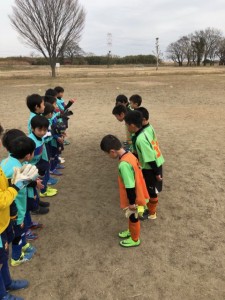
(134, 230)
(152, 205)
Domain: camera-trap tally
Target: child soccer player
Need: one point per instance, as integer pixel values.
(133, 191)
(56, 142)
(22, 150)
(7, 196)
(7, 141)
(60, 101)
(36, 105)
(119, 111)
(135, 101)
(150, 157)
(39, 127)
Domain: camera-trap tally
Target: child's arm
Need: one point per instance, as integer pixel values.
(70, 103)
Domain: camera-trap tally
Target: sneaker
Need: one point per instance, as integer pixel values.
(48, 193)
(17, 285)
(52, 181)
(44, 203)
(152, 217)
(40, 211)
(124, 234)
(56, 173)
(23, 258)
(60, 167)
(28, 248)
(11, 297)
(30, 236)
(61, 160)
(36, 225)
(51, 189)
(130, 243)
(66, 143)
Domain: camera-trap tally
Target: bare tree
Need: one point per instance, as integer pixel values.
(212, 40)
(48, 26)
(221, 52)
(73, 50)
(176, 52)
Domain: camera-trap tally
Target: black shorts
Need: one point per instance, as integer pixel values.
(153, 186)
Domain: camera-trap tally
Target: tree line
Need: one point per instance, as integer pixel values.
(201, 47)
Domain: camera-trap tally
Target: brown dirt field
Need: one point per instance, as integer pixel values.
(182, 252)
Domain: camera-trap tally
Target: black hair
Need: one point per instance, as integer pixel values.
(144, 112)
(9, 136)
(33, 101)
(1, 130)
(119, 109)
(49, 109)
(39, 122)
(110, 142)
(134, 117)
(59, 89)
(22, 146)
(136, 99)
(49, 99)
(121, 99)
(51, 92)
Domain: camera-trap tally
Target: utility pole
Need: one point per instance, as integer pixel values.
(109, 44)
(157, 53)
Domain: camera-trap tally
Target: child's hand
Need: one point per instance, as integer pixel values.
(73, 100)
(40, 186)
(159, 178)
(60, 140)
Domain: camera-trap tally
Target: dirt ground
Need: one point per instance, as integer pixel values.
(182, 252)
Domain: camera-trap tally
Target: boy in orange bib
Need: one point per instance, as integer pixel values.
(132, 188)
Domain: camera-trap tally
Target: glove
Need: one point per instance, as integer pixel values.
(23, 176)
(129, 212)
(67, 113)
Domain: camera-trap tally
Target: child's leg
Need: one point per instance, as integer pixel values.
(5, 278)
(3, 291)
(151, 184)
(152, 204)
(134, 228)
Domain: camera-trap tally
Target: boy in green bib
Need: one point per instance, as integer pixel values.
(149, 154)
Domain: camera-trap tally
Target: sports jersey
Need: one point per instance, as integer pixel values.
(7, 166)
(130, 176)
(147, 147)
(60, 103)
(40, 149)
(29, 121)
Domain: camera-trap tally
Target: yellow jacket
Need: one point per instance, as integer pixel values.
(7, 195)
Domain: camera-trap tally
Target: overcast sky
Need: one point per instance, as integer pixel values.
(134, 24)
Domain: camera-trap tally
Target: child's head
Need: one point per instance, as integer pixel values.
(49, 110)
(133, 120)
(39, 126)
(119, 111)
(50, 99)
(22, 148)
(35, 103)
(9, 136)
(51, 92)
(111, 145)
(59, 90)
(121, 100)
(135, 101)
(145, 114)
